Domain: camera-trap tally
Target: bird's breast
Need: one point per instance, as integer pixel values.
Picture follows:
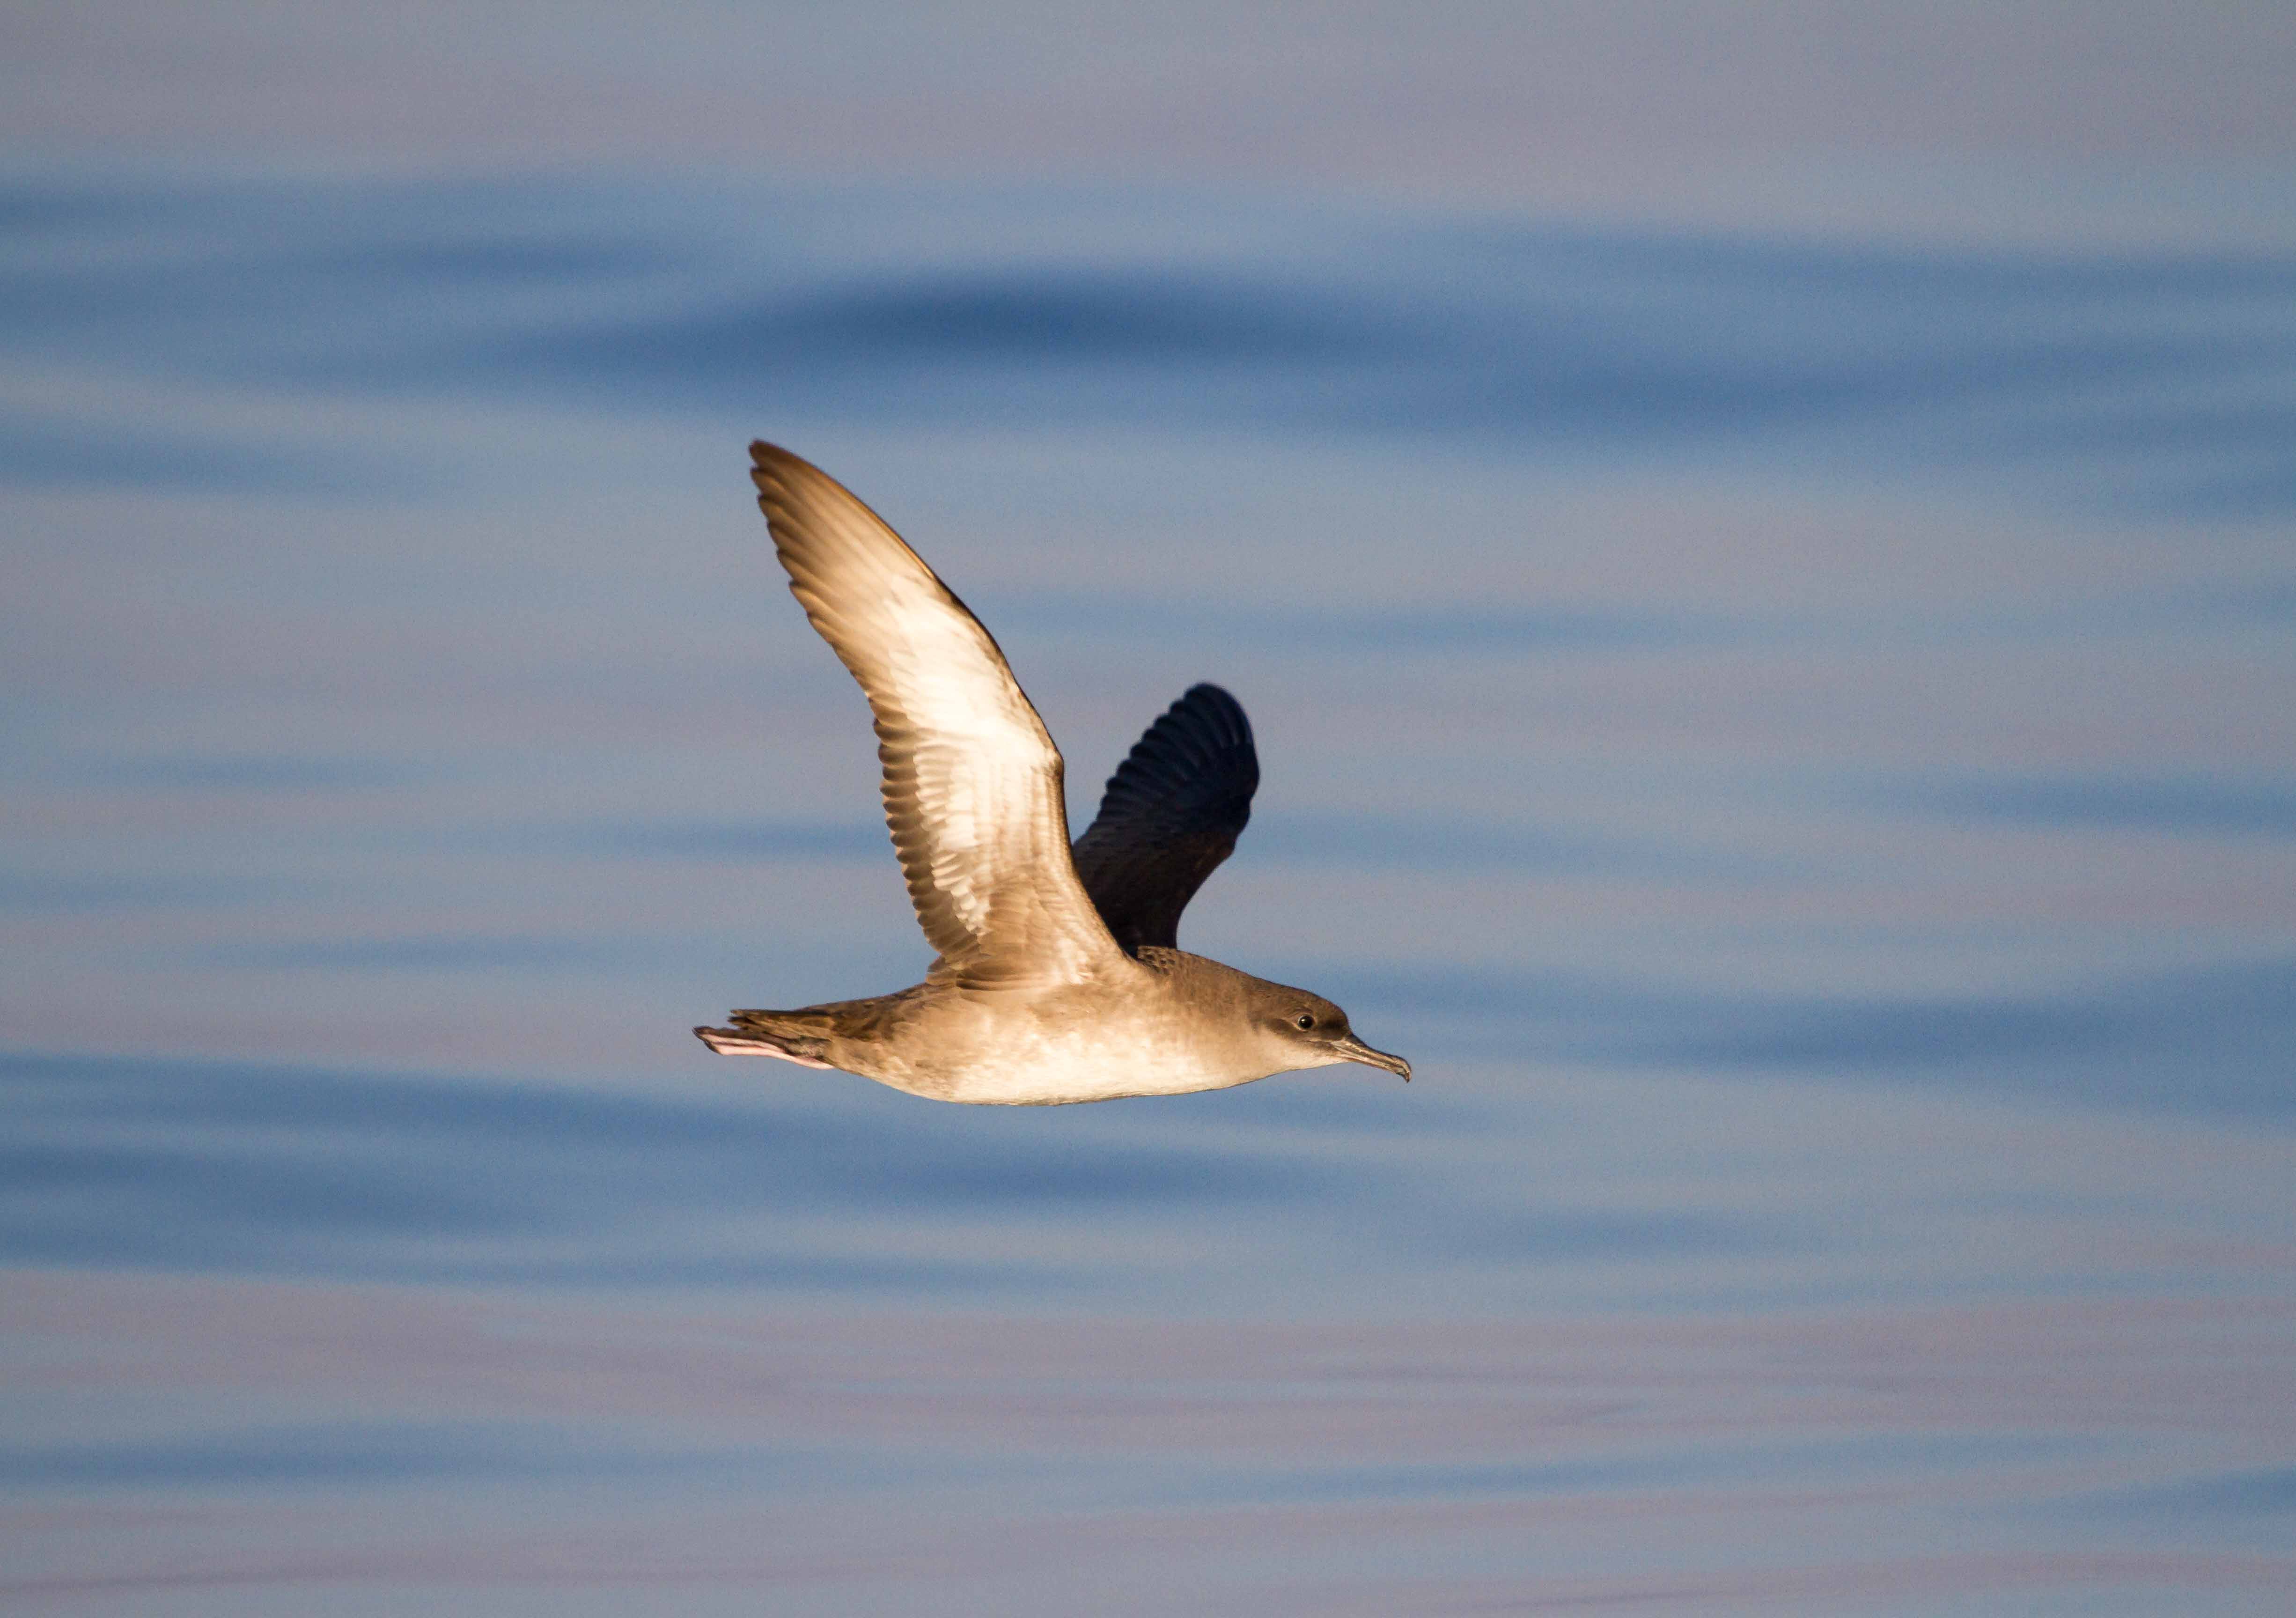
(1005, 1049)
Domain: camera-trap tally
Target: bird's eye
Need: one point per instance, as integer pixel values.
(1306, 1019)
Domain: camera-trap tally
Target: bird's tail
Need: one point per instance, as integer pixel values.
(793, 1036)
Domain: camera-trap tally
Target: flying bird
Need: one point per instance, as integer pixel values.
(1060, 977)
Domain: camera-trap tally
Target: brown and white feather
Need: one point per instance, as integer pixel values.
(973, 780)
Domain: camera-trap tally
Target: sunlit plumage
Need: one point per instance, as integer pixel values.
(1059, 976)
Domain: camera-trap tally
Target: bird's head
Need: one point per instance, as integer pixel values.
(1305, 1030)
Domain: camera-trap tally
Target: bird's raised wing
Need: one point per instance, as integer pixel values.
(973, 780)
(1172, 812)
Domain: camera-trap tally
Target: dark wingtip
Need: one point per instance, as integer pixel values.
(1204, 694)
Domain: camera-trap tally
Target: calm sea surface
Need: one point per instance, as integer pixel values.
(1797, 742)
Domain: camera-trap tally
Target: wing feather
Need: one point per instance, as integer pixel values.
(972, 782)
(1171, 813)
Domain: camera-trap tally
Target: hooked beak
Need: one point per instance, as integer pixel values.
(1352, 1049)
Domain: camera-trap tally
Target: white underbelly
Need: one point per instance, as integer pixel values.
(1057, 1060)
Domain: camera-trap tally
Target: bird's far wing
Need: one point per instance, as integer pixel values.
(973, 780)
(1172, 812)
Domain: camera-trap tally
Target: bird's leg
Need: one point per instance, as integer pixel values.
(727, 1042)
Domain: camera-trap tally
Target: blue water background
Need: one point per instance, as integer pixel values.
(1792, 738)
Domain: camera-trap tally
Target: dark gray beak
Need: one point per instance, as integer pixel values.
(1356, 1050)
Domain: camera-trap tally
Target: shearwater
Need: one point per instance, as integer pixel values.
(1059, 976)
